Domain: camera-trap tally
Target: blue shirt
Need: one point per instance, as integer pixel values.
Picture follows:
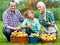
(35, 26)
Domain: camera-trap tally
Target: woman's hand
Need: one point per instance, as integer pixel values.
(52, 25)
(49, 24)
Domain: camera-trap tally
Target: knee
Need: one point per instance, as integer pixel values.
(6, 31)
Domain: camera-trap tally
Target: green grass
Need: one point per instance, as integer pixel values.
(3, 40)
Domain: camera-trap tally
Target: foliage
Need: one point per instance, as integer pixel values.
(3, 6)
(36, 13)
(56, 12)
(29, 4)
(51, 3)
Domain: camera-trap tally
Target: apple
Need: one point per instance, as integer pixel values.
(49, 34)
(48, 37)
(19, 34)
(54, 38)
(25, 35)
(34, 35)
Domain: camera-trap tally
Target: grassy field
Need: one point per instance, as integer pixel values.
(4, 42)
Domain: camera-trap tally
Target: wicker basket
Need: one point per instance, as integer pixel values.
(44, 41)
(15, 39)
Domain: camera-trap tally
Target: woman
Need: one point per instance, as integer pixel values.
(46, 19)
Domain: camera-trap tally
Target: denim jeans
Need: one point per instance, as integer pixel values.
(7, 33)
(29, 31)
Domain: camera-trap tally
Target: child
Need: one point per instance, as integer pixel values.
(31, 24)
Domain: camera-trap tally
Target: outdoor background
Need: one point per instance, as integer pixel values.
(22, 5)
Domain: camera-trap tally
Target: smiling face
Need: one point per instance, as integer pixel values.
(30, 15)
(41, 6)
(12, 6)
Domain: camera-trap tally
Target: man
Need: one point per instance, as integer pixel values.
(11, 18)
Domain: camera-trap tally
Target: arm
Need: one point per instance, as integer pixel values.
(24, 24)
(13, 28)
(38, 27)
(42, 22)
(28, 26)
(51, 19)
(21, 18)
(23, 27)
(6, 22)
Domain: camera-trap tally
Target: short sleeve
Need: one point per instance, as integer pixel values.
(38, 25)
(21, 18)
(52, 18)
(24, 22)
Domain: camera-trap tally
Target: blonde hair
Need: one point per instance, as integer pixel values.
(41, 4)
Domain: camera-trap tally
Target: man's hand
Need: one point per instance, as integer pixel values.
(16, 28)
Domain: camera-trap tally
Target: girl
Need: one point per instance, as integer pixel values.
(30, 23)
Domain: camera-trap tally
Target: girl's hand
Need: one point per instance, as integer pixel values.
(28, 26)
(38, 33)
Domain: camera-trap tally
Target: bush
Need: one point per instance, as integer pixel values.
(56, 12)
(0, 16)
(3, 7)
(29, 4)
(36, 13)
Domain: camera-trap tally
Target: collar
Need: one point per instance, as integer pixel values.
(10, 12)
(30, 21)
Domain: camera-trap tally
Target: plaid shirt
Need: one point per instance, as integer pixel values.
(12, 19)
(49, 18)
